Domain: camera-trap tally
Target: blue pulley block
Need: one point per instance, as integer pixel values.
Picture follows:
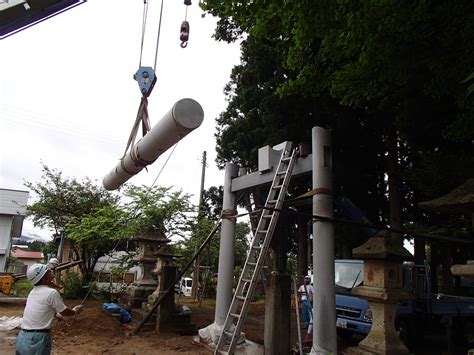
(146, 80)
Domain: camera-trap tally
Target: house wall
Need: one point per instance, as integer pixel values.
(12, 206)
(5, 229)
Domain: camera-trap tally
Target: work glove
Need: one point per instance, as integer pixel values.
(78, 309)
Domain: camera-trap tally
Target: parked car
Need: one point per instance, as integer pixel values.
(185, 286)
(426, 313)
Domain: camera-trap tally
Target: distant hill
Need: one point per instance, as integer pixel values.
(28, 239)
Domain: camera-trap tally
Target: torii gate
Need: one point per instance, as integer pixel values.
(324, 305)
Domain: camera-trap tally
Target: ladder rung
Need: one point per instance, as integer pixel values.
(229, 334)
(262, 231)
(246, 280)
(256, 247)
(277, 187)
(272, 201)
(251, 263)
(241, 298)
(283, 172)
(286, 159)
(267, 215)
(235, 315)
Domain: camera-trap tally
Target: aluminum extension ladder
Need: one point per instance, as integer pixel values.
(258, 251)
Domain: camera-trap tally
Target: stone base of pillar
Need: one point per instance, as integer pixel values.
(135, 294)
(209, 336)
(382, 338)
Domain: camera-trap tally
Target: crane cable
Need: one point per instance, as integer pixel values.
(146, 80)
(144, 24)
(158, 35)
(144, 18)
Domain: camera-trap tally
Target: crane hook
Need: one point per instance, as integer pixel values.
(184, 34)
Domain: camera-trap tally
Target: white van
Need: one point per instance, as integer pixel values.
(185, 286)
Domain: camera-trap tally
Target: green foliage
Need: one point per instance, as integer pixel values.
(210, 255)
(22, 288)
(60, 200)
(158, 209)
(72, 283)
(50, 247)
(36, 245)
(384, 77)
(64, 204)
(94, 220)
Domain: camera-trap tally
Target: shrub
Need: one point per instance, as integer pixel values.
(22, 288)
(72, 283)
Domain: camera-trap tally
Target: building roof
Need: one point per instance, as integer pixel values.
(24, 254)
(459, 200)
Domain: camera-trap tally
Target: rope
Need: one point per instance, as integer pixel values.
(373, 226)
(100, 272)
(144, 17)
(143, 117)
(158, 36)
(162, 168)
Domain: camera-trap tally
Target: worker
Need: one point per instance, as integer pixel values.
(42, 304)
(306, 297)
(52, 264)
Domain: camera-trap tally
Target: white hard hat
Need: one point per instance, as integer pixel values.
(53, 261)
(36, 272)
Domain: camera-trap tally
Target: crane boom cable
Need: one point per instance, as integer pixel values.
(144, 17)
(158, 36)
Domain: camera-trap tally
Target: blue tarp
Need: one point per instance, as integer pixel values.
(113, 308)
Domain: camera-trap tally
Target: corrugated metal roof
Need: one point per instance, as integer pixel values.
(13, 202)
(24, 254)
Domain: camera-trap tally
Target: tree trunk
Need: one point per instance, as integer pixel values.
(394, 187)
(302, 258)
(277, 296)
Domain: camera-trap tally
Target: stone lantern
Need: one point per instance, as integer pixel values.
(383, 289)
(149, 244)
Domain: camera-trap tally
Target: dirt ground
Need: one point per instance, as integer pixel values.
(97, 332)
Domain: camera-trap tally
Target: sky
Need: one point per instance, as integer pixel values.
(68, 98)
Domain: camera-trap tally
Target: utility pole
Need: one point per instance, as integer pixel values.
(195, 287)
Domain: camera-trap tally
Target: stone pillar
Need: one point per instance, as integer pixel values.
(383, 289)
(165, 311)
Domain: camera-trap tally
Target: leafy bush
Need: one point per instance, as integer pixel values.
(22, 288)
(72, 283)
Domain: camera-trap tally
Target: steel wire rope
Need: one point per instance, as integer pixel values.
(144, 18)
(158, 36)
(320, 218)
(163, 167)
